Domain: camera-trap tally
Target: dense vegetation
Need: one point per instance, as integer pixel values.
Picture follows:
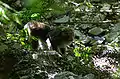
(94, 53)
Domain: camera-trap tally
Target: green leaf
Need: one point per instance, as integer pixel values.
(22, 43)
(76, 51)
(16, 46)
(34, 15)
(16, 19)
(3, 47)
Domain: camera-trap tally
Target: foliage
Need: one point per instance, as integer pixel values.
(97, 35)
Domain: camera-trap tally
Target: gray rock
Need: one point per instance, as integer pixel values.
(95, 31)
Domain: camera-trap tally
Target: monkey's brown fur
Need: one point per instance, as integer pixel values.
(38, 30)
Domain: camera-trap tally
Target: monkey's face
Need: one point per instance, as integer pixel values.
(67, 34)
(62, 36)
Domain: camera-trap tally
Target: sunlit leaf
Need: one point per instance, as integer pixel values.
(8, 35)
(22, 43)
(89, 4)
(87, 55)
(76, 51)
(34, 15)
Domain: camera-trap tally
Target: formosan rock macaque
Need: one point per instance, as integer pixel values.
(38, 33)
(60, 38)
